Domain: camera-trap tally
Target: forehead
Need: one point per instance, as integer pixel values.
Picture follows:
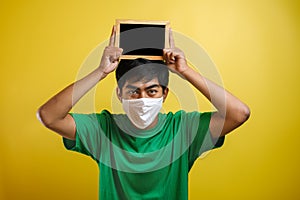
(140, 83)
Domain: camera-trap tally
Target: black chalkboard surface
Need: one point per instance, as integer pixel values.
(145, 39)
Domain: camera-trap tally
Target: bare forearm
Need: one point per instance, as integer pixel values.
(226, 104)
(54, 113)
(60, 105)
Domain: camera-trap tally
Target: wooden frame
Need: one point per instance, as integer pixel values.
(141, 25)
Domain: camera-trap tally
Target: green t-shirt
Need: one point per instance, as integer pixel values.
(143, 164)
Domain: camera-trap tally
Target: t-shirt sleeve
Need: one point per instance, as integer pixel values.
(202, 140)
(88, 135)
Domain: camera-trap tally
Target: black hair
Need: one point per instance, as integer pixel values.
(141, 69)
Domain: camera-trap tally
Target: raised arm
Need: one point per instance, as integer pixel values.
(231, 112)
(54, 113)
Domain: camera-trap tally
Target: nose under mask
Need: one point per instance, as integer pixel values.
(143, 111)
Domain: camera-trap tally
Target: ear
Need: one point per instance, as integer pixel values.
(165, 93)
(119, 95)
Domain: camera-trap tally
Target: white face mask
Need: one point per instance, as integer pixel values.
(143, 111)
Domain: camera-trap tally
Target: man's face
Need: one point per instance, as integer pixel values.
(142, 89)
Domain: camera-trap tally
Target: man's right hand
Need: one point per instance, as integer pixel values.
(111, 55)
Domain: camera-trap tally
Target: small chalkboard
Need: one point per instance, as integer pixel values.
(142, 39)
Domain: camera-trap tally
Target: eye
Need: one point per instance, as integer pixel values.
(132, 92)
(152, 92)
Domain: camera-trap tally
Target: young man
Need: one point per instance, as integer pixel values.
(143, 154)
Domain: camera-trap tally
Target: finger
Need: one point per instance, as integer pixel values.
(171, 39)
(117, 53)
(168, 56)
(169, 59)
(167, 50)
(172, 56)
(112, 36)
(165, 56)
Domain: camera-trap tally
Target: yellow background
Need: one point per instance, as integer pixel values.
(254, 44)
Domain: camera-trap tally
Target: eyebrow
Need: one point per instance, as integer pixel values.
(147, 88)
(152, 86)
(131, 87)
